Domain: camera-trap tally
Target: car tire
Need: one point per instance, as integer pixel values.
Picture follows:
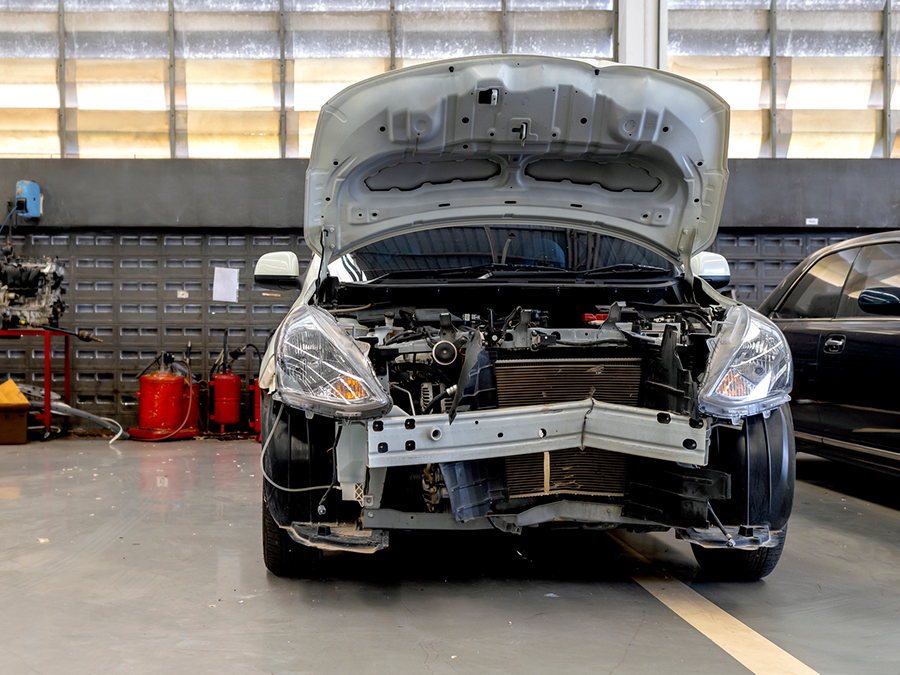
(283, 556)
(760, 457)
(739, 565)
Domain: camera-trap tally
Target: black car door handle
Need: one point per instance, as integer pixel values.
(834, 344)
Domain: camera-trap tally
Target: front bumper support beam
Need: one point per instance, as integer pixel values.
(484, 434)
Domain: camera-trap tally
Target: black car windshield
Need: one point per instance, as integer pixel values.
(473, 251)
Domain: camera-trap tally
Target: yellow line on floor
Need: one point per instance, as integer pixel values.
(752, 650)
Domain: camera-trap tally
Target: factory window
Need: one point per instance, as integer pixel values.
(227, 95)
(828, 85)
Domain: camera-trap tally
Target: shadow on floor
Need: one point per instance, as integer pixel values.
(465, 557)
(853, 481)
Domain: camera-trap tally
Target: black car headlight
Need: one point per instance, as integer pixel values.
(749, 370)
(320, 369)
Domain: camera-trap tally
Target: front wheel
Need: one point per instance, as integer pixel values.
(283, 556)
(739, 565)
(760, 458)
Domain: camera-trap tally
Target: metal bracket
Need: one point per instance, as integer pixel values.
(504, 525)
(521, 337)
(746, 537)
(448, 332)
(577, 512)
(392, 519)
(338, 537)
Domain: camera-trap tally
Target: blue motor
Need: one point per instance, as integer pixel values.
(29, 200)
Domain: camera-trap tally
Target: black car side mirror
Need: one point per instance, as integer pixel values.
(880, 300)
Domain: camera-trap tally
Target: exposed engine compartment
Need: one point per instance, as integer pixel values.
(455, 354)
(30, 290)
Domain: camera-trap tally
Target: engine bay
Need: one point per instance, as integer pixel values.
(457, 348)
(458, 352)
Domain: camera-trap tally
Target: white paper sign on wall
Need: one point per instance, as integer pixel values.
(225, 285)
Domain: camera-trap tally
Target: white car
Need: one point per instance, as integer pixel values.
(507, 322)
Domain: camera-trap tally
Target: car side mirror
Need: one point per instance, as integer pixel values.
(713, 268)
(279, 270)
(880, 300)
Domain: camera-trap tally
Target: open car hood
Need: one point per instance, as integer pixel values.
(621, 150)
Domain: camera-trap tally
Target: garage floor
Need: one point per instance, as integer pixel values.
(146, 558)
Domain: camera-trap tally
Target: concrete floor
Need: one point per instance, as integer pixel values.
(146, 558)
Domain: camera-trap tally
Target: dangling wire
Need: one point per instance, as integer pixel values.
(337, 437)
(8, 216)
(262, 456)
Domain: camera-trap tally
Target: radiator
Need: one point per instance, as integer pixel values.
(537, 381)
(574, 472)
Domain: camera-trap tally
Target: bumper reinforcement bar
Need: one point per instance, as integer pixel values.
(423, 439)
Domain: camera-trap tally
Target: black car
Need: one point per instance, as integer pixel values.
(840, 311)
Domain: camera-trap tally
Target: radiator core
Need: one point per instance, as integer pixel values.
(574, 472)
(542, 381)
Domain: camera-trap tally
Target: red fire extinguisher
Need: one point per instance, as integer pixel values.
(225, 391)
(167, 403)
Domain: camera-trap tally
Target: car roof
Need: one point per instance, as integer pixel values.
(771, 301)
(877, 238)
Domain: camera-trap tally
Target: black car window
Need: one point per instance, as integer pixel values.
(817, 293)
(877, 265)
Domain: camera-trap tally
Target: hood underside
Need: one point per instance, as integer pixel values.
(621, 150)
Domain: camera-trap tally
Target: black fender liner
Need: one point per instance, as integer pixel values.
(748, 481)
(761, 458)
(296, 457)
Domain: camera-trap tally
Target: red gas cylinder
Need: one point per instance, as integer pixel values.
(226, 398)
(162, 405)
(159, 401)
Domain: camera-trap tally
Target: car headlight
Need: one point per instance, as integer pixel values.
(319, 368)
(749, 370)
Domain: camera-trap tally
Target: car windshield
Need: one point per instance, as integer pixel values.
(518, 249)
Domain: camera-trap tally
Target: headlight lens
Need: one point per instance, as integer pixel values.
(749, 369)
(320, 369)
